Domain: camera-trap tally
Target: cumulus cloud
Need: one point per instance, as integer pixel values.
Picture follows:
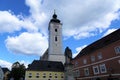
(87, 17)
(4, 63)
(38, 16)
(80, 18)
(26, 63)
(27, 43)
(109, 31)
(78, 49)
(9, 22)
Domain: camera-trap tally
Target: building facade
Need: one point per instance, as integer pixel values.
(99, 60)
(45, 70)
(55, 41)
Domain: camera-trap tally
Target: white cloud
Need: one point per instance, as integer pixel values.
(38, 16)
(26, 63)
(9, 22)
(27, 43)
(7, 64)
(4, 63)
(109, 31)
(80, 18)
(78, 49)
(87, 17)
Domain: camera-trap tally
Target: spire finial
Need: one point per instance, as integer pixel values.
(54, 15)
(54, 11)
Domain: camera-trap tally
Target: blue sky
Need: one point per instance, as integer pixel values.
(24, 26)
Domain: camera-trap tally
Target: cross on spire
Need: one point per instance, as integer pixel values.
(54, 11)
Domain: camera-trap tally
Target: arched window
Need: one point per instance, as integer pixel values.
(55, 38)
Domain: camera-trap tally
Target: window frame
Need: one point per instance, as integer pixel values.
(117, 49)
(101, 68)
(96, 67)
(30, 75)
(77, 73)
(84, 61)
(93, 58)
(86, 73)
(37, 75)
(99, 56)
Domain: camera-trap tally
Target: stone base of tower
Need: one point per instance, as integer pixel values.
(56, 57)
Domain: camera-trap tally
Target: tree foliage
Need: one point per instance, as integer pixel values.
(18, 71)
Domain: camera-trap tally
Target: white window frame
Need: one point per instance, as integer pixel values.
(86, 71)
(102, 66)
(96, 67)
(92, 58)
(117, 50)
(99, 56)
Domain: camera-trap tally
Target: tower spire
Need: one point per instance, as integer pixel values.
(54, 15)
(54, 11)
(54, 18)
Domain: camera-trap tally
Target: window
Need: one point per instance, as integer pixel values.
(62, 76)
(55, 30)
(55, 38)
(50, 76)
(86, 71)
(103, 68)
(95, 69)
(99, 55)
(92, 58)
(117, 50)
(76, 63)
(55, 76)
(30, 75)
(77, 73)
(37, 75)
(84, 61)
(44, 75)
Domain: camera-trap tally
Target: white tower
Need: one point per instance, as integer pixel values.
(55, 40)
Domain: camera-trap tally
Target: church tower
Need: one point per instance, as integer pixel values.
(55, 40)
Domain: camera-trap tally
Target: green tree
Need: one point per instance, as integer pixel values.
(18, 71)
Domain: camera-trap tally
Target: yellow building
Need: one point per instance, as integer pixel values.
(45, 70)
